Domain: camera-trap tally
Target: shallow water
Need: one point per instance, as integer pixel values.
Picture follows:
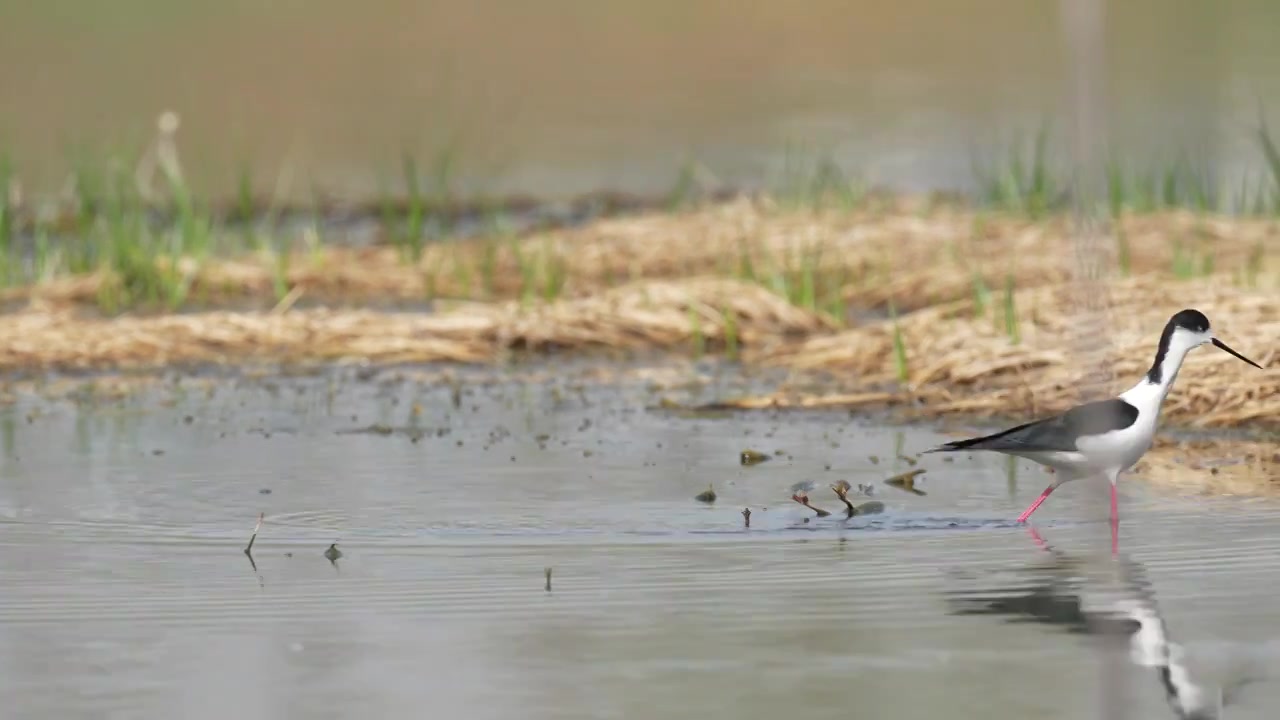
(127, 594)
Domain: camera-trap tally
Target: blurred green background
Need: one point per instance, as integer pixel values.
(564, 96)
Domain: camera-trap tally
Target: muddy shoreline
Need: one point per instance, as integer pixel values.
(1208, 461)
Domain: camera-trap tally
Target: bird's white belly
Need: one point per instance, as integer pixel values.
(1117, 450)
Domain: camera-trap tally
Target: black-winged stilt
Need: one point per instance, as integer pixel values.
(1105, 437)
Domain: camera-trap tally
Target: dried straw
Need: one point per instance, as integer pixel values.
(959, 363)
(915, 256)
(639, 316)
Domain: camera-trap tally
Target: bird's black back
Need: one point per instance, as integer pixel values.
(1054, 434)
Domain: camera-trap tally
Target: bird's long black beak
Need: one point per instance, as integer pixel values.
(1223, 346)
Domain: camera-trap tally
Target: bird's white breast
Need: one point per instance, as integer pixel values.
(1118, 449)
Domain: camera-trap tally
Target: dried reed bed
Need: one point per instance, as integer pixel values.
(643, 315)
(914, 254)
(958, 362)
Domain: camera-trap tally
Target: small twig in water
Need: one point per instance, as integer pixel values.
(249, 548)
(548, 571)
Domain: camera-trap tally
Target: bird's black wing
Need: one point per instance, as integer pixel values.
(1055, 434)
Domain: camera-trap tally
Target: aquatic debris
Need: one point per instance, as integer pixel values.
(907, 481)
(842, 488)
(248, 550)
(264, 491)
(374, 429)
(712, 410)
(333, 553)
(706, 496)
(800, 494)
(752, 457)
(548, 572)
(746, 517)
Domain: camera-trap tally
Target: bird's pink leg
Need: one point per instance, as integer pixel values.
(1043, 496)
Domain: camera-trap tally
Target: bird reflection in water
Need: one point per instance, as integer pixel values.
(1058, 595)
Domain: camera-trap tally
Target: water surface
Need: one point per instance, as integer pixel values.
(127, 594)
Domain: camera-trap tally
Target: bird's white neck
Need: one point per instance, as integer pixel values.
(1149, 393)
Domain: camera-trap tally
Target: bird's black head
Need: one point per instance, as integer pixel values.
(1189, 319)
(1194, 325)
(1186, 330)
